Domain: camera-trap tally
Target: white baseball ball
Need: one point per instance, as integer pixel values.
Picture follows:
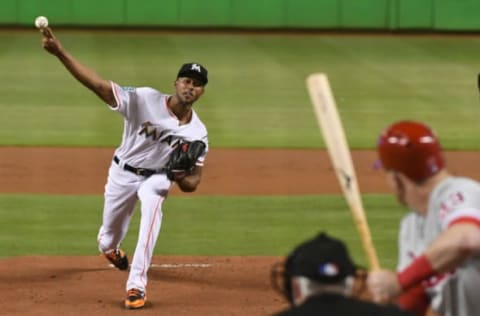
(41, 22)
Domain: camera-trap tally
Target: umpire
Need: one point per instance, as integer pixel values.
(319, 278)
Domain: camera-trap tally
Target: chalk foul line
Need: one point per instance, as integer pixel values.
(176, 265)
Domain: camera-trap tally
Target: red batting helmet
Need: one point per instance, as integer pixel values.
(410, 148)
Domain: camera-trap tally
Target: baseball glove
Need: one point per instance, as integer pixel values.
(184, 157)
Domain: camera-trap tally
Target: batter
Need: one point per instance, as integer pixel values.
(446, 240)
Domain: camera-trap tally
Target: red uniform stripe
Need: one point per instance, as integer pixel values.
(465, 219)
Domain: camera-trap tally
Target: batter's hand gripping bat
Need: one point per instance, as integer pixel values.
(333, 133)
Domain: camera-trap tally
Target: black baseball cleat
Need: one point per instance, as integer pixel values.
(118, 258)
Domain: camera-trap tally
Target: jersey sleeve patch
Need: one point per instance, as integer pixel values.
(128, 89)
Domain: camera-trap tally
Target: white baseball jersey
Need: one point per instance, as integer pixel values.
(412, 243)
(151, 131)
(453, 200)
(411, 239)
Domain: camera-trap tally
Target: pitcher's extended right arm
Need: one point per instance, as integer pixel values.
(89, 78)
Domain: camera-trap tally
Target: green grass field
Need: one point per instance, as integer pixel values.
(67, 225)
(256, 98)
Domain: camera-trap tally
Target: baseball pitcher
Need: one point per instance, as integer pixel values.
(164, 142)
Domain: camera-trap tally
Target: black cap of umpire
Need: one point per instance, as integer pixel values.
(323, 259)
(194, 70)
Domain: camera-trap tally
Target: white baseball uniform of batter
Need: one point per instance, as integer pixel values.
(151, 131)
(454, 199)
(411, 243)
(411, 239)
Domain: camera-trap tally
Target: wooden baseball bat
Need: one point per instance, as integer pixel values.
(333, 133)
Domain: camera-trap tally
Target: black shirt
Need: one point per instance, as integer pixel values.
(339, 305)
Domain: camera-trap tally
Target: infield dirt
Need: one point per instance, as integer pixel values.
(179, 285)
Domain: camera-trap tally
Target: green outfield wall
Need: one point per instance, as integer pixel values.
(447, 15)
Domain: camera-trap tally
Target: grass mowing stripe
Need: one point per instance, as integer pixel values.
(254, 78)
(201, 225)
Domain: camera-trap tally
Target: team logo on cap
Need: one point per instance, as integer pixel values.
(196, 68)
(328, 269)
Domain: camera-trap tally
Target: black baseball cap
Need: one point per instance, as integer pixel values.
(323, 259)
(194, 70)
